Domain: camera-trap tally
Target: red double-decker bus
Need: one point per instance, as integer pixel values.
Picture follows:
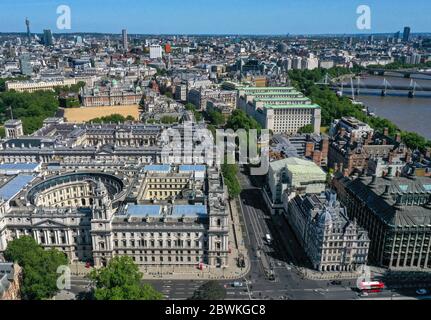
(371, 286)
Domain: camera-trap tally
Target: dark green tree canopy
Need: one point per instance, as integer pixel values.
(39, 267)
(308, 128)
(121, 280)
(113, 118)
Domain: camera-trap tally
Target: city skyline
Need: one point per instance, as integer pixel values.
(241, 17)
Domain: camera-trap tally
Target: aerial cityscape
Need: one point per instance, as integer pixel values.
(197, 164)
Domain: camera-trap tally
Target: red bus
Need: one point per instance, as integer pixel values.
(371, 286)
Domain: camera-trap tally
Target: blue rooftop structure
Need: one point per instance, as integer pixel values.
(190, 167)
(198, 210)
(157, 168)
(14, 186)
(139, 210)
(19, 167)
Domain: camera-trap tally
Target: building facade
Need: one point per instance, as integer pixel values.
(280, 109)
(396, 212)
(330, 239)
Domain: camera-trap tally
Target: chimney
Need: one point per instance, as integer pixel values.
(309, 147)
(386, 131)
(398, 137)
(324, 146)
(428, 153)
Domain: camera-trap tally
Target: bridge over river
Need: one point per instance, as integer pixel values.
(356, 86)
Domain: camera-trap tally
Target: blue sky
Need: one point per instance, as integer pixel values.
(218, 16)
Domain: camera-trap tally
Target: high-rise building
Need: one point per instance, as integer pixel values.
(406, 34)
(297, 63)
(27, 23)
(25, 65)
(124, 38)
(155, 51)
(47, 37)
(396, 36)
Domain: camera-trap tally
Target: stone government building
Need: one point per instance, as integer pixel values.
(99, 191)
(396, 212)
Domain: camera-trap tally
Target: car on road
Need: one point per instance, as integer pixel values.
(237, 284)
(421, 292)
(268, 238)
(363, 294)
(336, 282)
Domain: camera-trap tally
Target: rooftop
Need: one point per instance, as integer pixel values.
(14, 186)
(157, 168)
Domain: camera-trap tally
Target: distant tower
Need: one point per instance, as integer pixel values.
(406, 34)
(125, 42)
(27, 23)
(47, 37)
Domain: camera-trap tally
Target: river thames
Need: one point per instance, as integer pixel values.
(410, 114)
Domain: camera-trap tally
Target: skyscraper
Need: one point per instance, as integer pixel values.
(25, 64)
(406, 34)
(47, 37)
(27, 23)
(125, 42)
(396, 36)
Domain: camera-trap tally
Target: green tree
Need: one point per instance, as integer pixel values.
(121, 280)
(168, 119)
(240, 120)
(39, 267)
(414, 141)
(210, 290)
(32, 108)
(216, 118)
(308, 128)
(169, 94)
(190, 106)
(113, 118)
(230, 172)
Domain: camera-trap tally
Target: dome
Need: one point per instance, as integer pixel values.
(325, 218)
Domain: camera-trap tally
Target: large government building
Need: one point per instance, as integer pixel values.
(99, 191)
(396, 212)
(280, 109)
